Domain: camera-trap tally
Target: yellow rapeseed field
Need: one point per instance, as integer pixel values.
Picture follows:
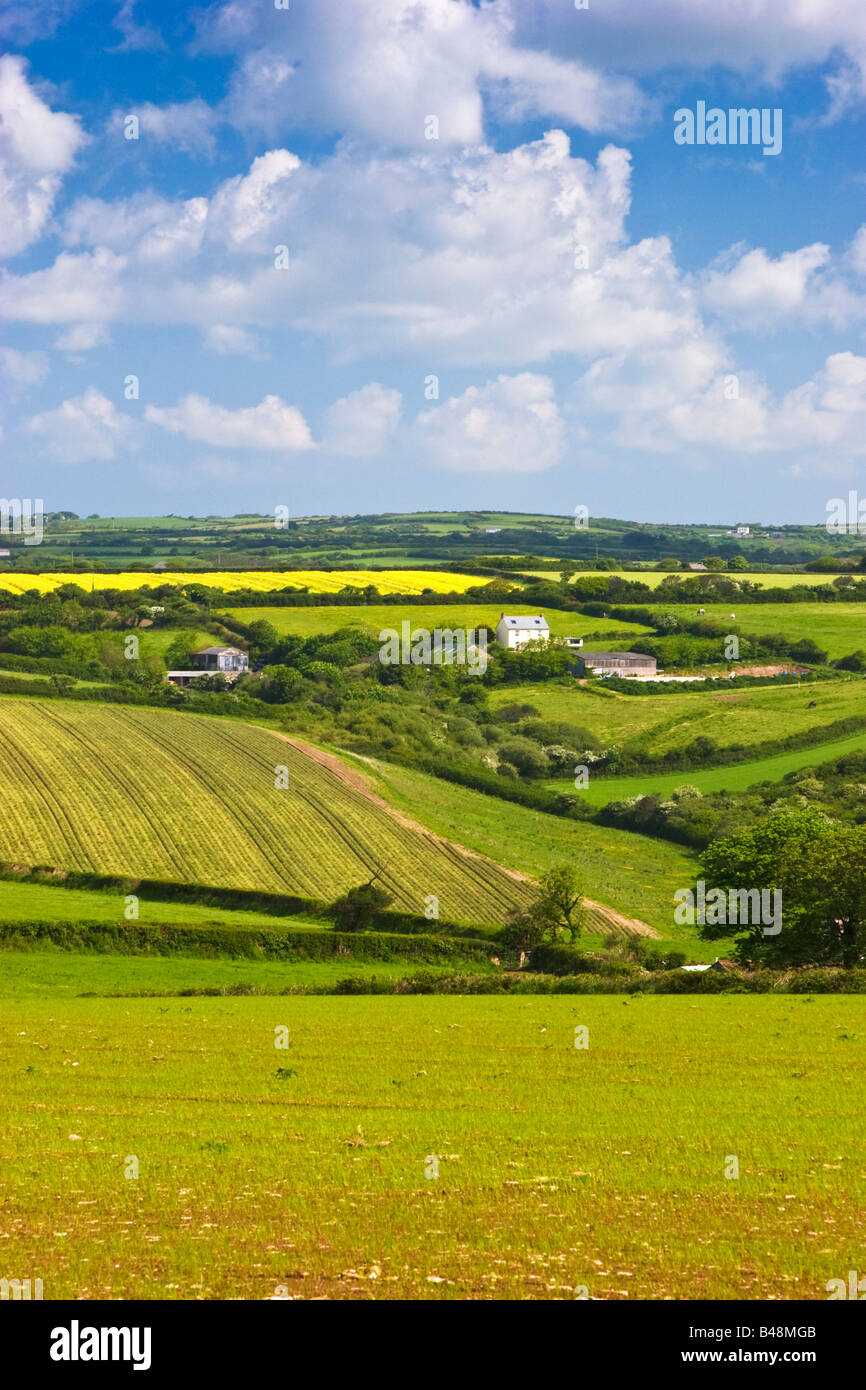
(265, 581)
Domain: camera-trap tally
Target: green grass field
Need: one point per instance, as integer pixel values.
(839, 628)
(58, 975)
(737, 777)
(656, 723)
(309, 622)
(38, 902)
(164, 795)
(303, 1172)
(632, 873)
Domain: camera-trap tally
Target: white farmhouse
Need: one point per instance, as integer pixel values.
(515, 632)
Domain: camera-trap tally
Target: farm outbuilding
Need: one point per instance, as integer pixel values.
(230, 662)
(616, 664)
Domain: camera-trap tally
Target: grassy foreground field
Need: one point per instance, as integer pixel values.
(60, 975)
(302, 1171)
(157, 794)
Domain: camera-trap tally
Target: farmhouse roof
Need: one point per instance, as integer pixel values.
(216, 651)
(528, 622)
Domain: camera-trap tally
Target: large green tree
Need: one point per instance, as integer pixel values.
(819, 865)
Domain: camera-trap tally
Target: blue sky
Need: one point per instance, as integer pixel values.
(550, 304)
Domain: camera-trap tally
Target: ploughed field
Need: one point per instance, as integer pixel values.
(433, 1147)
(164, 795)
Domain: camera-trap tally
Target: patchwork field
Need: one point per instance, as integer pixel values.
(660, 722)
(309, 622)
(433, 1148)
(194, 799)
(317, 581)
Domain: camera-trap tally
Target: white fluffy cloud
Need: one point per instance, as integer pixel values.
(681, 401)
(377, 69)
(37, 147)
(83, 429)
(760, 38)
(188, 125)
(229, 341)
(75, 289)
(485, 255)
(153, 229)
(270, 425)
(360, 424)
(511, 425)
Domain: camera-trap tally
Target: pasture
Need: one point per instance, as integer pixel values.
(656, 723)
(41, 902)
(838, 628)
(733, 778)
(42, 974)
(632, 873)
(311, 622)
(433, 1148)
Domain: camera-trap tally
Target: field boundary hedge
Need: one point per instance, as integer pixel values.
(231, 899)
(168, 939)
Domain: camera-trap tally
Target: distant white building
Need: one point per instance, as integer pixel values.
(492, 530)
(515, 632)
(741, 531)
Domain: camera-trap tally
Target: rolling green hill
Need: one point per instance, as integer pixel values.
(188, 798)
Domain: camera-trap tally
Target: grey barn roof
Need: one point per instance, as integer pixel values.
(616, 656)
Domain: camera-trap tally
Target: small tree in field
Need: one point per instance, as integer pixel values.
(560, 902)
(523, 931)
(358, 909)
(557, 910)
